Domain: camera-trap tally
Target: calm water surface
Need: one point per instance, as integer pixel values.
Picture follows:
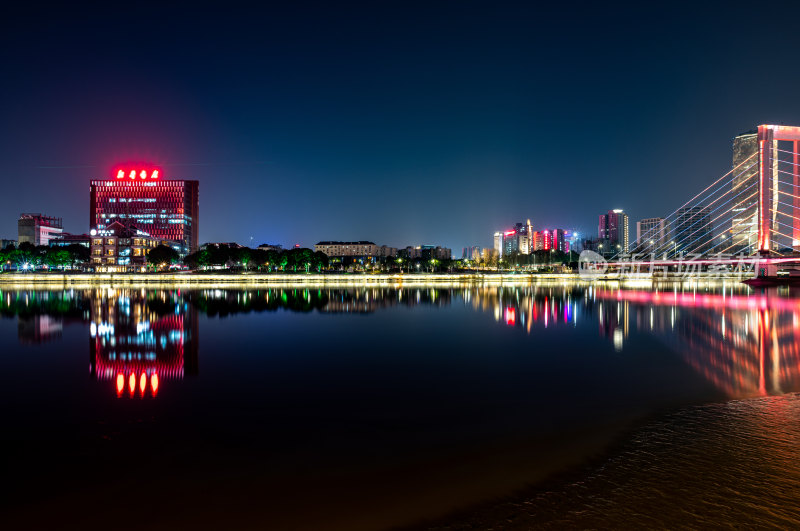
(564, 405)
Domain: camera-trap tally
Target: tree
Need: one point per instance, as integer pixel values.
(242, 255)
(25, 256)
(162, 255)
(78, 254)
(283, 260)
(272, 259)
(304, 258)
(56, 257)
(258, 257)
(319, 260)
(5, 256)
(192, 260)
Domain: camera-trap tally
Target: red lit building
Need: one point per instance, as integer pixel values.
(165, 209)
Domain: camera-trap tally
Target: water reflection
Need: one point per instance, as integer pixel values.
(382, 406)
(140, 338)
(745, 343)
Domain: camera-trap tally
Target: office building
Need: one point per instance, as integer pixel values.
(38, 229)
(651, 235)
(693, 230)
(165, 209)
(613, 230)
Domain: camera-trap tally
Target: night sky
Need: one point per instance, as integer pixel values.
(401, 123)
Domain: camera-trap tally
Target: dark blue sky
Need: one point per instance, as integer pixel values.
(401, 123)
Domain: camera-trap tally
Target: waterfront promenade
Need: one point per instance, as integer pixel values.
(317, 279)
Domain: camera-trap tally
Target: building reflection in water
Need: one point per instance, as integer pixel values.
(42, 315)
(746, 344)
(140, 338)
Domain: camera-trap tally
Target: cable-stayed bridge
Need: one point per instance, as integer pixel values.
(750, 214)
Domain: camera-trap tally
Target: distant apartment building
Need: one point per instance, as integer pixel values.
(7, 243)
(511, 242)
(693, 231)
(651, 234)
(361, 249)
(120, 248)
(517, 240)
(428, 252)
(471, 253)
(546, 240)
(612, 229)
(38, 229)
(744, 225)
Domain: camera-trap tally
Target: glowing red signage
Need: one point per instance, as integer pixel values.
(137, 174)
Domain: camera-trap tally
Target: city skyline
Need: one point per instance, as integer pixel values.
(401, 141)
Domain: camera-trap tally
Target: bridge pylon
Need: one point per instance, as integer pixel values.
(769, 192)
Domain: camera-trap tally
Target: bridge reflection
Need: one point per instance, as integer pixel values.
(744, 343)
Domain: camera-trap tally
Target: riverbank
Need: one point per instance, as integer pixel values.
(332, 279)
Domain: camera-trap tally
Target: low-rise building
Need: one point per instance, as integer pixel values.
(363, 249)
(66, 239)
(229, 245)
(38, 229)
(270, 247)
(118, 248)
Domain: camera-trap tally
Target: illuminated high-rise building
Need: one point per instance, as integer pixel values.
(165, 209)
(498, 243)
(613, 228)
(744, 225)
